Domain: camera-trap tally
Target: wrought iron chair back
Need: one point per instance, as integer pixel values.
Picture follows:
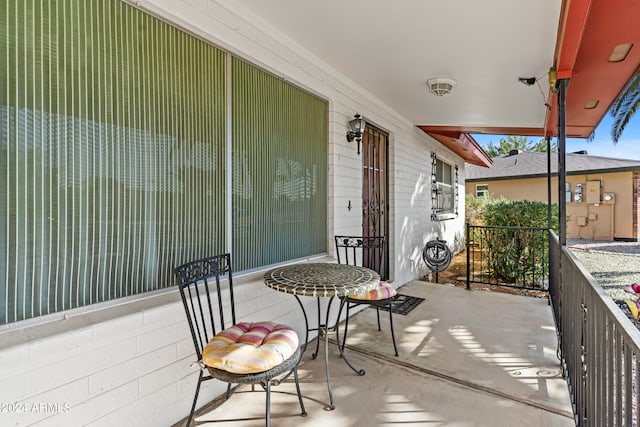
(365, 251)
(361, 250)
(197, 280)
(210, 308)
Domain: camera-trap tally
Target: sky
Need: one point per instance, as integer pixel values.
(628, 147)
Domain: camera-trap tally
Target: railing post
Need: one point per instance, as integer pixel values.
(468, 257)
(549, 208)
(549, 200)
(562, 85)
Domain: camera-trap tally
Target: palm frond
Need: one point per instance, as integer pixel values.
(632, 87)
(626, 111)
(625, 107)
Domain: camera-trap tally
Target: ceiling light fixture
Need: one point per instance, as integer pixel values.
(591, 104)
(441, 86)
(620, 52)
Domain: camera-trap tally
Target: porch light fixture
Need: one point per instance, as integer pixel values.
(591, 104)
(441, 86)
(356, 129)
(620, 52)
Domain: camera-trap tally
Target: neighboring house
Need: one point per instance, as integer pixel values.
(602, 192)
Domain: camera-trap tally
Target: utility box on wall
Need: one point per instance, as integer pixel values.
(593, 192)
(577, 194)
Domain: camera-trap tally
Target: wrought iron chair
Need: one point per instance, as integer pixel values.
(367, 252)
(212, 321)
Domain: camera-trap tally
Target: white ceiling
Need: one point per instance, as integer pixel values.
(391, 47)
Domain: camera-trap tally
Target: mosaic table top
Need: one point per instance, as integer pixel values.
(322, 279)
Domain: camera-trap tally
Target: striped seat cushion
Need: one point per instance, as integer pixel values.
(247, 348)
(382, 291)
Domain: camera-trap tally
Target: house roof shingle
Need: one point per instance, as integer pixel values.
(527, 164)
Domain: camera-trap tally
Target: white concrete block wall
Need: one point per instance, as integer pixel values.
(98, 363)
(129, 364)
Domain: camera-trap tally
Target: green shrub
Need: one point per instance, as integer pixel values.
(522, 213)
(517, 254)
(473, 208)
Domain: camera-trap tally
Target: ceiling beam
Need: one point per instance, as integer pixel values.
(571, 28)
(573, 21)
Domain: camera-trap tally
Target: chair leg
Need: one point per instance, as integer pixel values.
(378, 314)
(393, 335)
(195, 400)
(295, 376)
(346, 328)
(228, 391)
(340, 346)
(315, 353)
(344, 340)
(268, 405)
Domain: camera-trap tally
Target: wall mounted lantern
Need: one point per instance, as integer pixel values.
(356, 129)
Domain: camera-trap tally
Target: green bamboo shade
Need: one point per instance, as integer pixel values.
(112, 153)
(113, 162)
(279, 189)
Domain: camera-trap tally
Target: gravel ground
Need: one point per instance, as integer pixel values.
(615, 265)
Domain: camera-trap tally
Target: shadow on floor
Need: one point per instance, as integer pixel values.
(467, 358)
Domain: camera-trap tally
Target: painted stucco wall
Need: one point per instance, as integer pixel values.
(128, 364)
(613, 221)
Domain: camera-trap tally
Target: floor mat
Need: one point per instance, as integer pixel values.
(404, 304)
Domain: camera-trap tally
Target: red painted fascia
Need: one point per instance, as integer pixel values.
(573, 21)
(592, 76)
(462, 144)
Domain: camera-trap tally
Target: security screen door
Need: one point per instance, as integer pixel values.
(375, 194)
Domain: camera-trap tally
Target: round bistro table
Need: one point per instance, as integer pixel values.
(322, 280)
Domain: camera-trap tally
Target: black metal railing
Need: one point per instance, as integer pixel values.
(599, 345)
(508, 256)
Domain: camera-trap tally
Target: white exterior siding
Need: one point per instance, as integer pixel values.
(129, 364)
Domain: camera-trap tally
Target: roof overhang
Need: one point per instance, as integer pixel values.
(553, 173)
(463, 145)
(588, 32)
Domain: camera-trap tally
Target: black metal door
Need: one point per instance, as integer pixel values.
(375, 194)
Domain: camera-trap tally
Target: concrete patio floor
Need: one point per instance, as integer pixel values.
(467, 358)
